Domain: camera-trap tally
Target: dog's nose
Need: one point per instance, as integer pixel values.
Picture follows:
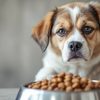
(75, 46)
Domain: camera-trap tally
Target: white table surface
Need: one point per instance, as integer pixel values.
(8, 94)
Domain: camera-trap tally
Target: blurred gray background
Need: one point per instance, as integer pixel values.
(20, 56)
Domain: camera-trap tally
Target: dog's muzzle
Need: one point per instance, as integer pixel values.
(75, 52)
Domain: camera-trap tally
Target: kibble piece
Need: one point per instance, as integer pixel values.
(68, 89)
(50, 88)
(90, 81)
(75, 80)
(36, 87)
(83, 85)
(91, 85)
(76, 85)
(45, 87)
(61, 85)
(45, 82)
(69, 74)
(55, 76)
(59, 79)
(62, 74)
(67, 84)
(67, 78)
(54, 80)
(84, 80)
(53, 85)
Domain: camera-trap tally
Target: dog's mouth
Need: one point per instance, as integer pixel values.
(76, 56)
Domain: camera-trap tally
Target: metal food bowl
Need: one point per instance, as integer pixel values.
(36, 94)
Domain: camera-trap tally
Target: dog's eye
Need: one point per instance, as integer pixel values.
(61, 32)
(87, 30)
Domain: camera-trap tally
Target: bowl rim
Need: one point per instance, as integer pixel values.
(64, 92)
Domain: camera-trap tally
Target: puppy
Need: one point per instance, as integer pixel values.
(70, 35)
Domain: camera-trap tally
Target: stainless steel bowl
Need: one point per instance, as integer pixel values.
(35, 94)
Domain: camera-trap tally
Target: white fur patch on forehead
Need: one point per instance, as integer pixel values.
(76, 36)
(73, 13)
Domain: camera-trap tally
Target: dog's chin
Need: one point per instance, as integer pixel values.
(76, 60)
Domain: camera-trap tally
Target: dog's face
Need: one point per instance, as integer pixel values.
(72, 29)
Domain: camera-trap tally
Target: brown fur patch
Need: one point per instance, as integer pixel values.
(42, 31)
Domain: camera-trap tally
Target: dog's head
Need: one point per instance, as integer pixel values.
(73, 30)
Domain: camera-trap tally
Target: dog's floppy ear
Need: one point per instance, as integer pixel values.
(95, 8)
(42, 30)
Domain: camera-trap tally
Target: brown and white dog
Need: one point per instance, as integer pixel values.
(70, 34)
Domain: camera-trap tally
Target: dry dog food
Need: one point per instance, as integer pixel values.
(66, 82)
